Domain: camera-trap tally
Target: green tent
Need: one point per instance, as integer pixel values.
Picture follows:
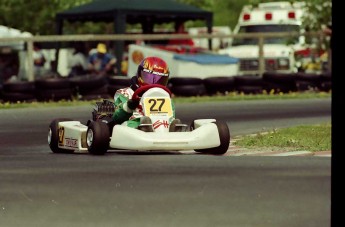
(144, 12)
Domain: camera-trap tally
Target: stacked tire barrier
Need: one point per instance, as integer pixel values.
(90, 87)
(117, 82)
(53, 89)
(219, 84)
(18, 91)
(187, 86)
(248, 84)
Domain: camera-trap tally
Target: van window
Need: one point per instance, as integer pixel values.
(267, 28)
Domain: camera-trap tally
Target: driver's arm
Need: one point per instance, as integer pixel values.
(124, 106)
(122, 113)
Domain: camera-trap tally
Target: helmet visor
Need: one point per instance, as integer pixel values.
(153, 77)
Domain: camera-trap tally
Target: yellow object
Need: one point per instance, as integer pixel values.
(101, 48)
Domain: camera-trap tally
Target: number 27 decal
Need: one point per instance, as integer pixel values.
(158, 106)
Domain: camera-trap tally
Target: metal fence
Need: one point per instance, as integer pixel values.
(133, 37)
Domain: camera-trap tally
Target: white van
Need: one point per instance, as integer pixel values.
(217, 43)
(279, 53)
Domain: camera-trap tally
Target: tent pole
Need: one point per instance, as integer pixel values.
(119, 28)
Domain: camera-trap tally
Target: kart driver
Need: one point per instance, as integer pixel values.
(151, 70)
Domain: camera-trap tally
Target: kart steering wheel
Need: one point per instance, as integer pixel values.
(140, 91)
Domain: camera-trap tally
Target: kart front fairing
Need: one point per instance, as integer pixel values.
(157, 105)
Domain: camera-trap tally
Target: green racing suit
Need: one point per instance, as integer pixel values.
(122, 113)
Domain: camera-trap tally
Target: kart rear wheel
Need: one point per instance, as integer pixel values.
(97, 138)
(53, 136)
(224, 136)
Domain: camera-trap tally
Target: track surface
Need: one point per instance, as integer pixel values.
(39, 188)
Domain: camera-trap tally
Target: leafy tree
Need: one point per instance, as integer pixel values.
(226, 12)
(38, 16)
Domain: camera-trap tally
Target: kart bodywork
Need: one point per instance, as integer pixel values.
(160, 133)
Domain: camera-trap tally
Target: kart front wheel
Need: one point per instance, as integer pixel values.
(97, 138)
(53, 136)
(224, 137)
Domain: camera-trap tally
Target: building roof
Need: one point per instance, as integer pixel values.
(159, 11)
(122, 12)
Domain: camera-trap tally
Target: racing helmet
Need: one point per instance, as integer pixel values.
(153, 70)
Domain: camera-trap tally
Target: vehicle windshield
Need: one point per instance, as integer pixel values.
(267, 28)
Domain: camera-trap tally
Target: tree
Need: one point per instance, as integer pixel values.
(226, 13)
(37, 17)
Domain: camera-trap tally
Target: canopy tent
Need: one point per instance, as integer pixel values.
(7, 32)
(144, 12)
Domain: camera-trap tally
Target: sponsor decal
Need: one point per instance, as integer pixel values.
(70, 142)
(61, 133)
(137, 56)
(155, 72)
(160, 123)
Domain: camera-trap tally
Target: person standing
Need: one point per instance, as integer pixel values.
(101, 62)
(180, 29)
(39, 61)
(77, 62)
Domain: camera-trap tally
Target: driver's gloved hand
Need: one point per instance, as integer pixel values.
(132, 104)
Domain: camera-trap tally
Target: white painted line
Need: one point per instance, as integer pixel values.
(292, 153)
(323, 155)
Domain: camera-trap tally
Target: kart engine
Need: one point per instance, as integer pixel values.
(103, 109)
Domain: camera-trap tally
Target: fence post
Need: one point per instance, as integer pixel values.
(261, 56)
(30, 61)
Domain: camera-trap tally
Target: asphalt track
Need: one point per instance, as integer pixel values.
(39, 188)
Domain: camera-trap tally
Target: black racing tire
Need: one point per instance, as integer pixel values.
(286, 81)
(189, 90)
(224, 136)
(54, 94)
(325, 86)
(249, 89)
(307, 81)
(95, 97)
(88, 82)
(177, 81)
(97, 138)
(18, 97)
(1, 91)
(19, 87)
(53, 136)
(303, 85)
(326, 76)
(310, 77)
(119, 80)
(94, 91)
(247, 80)
(276, 88)
(53, 83)
(219, 84)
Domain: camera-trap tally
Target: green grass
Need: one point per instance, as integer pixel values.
(306, 137)
(234, 96)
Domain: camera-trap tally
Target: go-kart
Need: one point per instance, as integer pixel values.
(158, 131)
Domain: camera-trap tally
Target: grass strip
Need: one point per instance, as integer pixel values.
(306, 137)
